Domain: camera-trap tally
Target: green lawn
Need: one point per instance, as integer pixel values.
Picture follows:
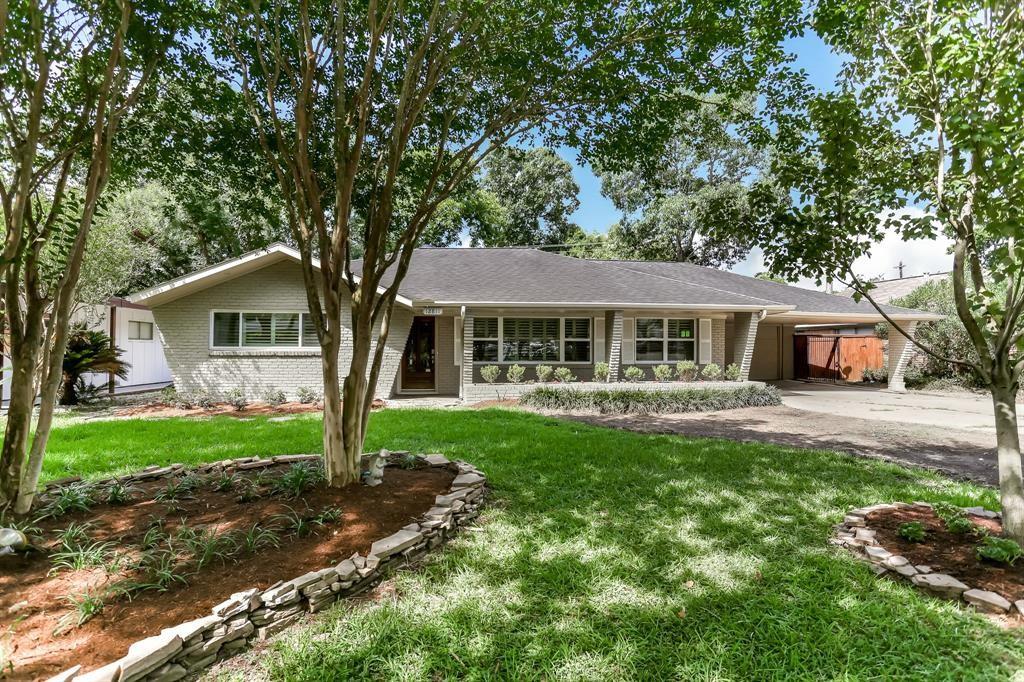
(611, 555)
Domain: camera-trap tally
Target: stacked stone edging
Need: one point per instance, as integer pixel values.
(255, 615)
(854, 534)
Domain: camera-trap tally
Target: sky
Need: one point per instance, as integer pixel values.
(596, 213)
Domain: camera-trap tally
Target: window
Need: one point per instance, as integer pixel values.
(263, 330)
(532, 339)
(665, 340)
(140, 331)
(485, 339)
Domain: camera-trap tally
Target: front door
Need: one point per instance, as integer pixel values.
(418, 361)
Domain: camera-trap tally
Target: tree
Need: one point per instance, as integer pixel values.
(70, 72)
(691, 201)
(537, 195)
(88, 351)
(929, 115)
(370, 115)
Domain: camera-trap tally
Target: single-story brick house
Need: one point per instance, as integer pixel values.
(243, 323)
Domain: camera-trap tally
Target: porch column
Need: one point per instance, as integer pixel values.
(900, 352)
(466, 376)
(744, 336)
(614, 318)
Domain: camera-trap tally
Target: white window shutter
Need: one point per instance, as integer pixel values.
(704, 341)
(598, 341)
(458, 341)
(628, 342)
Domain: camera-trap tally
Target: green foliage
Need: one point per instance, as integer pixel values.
(294, 522)
(633, 373)
(632, 401)
(544, 373)
(490, 373)
(204, 399)
(225, 482)
(119, 492)
(601, 371)
(327, 515)
(564, 375)
(78, 557)
(999, 550)
(75, 497)
(300, 477)
(161, 569)
(712, 372)
(308, 396)
(408, 461)
(875, 375)
(912, 531)
(206, 546)
(663, 372)
(515, 374)
(686, 370)
(960, 524)
(84, 607)
(732, 372)
(176, 490)
(273, 396)
(258, 538)
(235, 397)
(88, 351)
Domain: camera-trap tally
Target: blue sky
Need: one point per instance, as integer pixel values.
(596, 213)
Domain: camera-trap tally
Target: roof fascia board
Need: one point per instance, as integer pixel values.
(608, 305)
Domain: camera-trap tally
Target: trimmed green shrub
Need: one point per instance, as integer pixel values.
(634, 401)
(912, 530)
(601, 371)
(490, 373)
(273, 396)
(663, 373)
(960, 524)
(875, 375)
(515, 374)
(204, 399)
(308, 396)
(686, 370)
(711, 371)
(999, 550)
(564, 375)
(732, 372)
(544, 373)
(235, 397)
(633, 373)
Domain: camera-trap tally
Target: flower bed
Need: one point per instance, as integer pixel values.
(652, 401)
(219, 543)
(937, 548)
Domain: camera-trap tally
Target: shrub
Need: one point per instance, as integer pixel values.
(875, 375)
(74, 497)
(732, 372)
(912, 531)
(236, 398)
(119, 492)
(686, 370)
(88, 351)
(273, 396)
(308, 396)
(564, 375)
(633, 401)
(663, 373)
(711, 372)
(999, 550)
(299, 478)
(204, 399)
(601, 371)
(633, 373)
(168, 395)
(490, 373)
(515, 374)
(544, 373)
(960, 524)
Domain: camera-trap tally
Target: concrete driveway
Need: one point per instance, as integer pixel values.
(961, 411)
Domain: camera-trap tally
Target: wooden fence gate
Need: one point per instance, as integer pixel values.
(836, 357)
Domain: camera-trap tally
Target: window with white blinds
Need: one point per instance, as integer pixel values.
(262, 330)
(661, 339)
(532, 339)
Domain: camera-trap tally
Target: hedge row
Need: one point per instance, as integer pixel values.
(633, 401)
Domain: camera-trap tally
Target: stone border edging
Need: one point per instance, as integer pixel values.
(855, 535)
(256, 615)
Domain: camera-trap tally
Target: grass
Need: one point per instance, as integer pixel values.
(611, 555)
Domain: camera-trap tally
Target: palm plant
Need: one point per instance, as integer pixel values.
(88, 351)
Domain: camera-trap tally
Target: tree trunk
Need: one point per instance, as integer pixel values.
(68, 395)
(19, 424)
(1011, 481)
(353, 404)
(334, 450)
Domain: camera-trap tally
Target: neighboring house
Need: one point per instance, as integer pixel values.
(885, 291)
(244, 323)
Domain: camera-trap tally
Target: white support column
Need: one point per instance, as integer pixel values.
(615, 348)
(744, 336)
(466, 373)
(901, 351)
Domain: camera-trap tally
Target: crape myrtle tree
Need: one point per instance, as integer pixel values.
(70, 72)
(924, 137)
(372, 113)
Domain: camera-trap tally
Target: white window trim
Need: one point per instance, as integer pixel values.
(561, 341)
(300, 349)
(152, 331)
(664, 339)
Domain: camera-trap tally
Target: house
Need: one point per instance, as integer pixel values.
(244, 323)
(885, 291)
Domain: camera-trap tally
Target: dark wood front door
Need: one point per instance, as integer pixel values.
(418, 371)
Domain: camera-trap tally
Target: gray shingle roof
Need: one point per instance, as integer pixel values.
(890, 289)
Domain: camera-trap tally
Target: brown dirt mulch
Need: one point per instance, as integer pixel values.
(253, 410)
(32, 602)
(946, 552)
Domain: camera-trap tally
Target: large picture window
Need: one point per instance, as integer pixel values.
(532, 339)
(263, 330)
(665, 339)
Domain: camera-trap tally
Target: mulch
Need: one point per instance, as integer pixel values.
(32, 601)
(946, 552)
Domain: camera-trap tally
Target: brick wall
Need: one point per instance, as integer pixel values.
(185, 330)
